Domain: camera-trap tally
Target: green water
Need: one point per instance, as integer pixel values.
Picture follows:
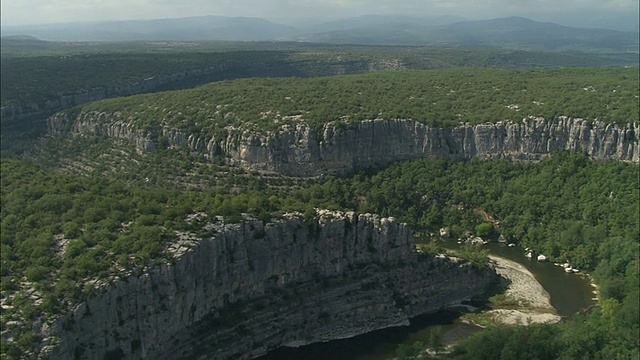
(569, 294)
(380, 345)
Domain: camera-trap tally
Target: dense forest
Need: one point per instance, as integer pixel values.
(76, 212)
(37, 71)
(40, 77)
(567, 206)
(62, 234)
(445, 97)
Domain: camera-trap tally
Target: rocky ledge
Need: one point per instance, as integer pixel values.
(302, 150)
(252, 287)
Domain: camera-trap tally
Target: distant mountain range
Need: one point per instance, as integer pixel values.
(512, 32)
(191, 28)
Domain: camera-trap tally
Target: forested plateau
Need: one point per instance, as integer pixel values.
(333, 125)
(439, 98)
(39, 77)
(129, 195)
(63, 236)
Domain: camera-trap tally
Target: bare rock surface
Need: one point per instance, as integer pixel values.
(534, 305)
(301, 150)
(252, 287)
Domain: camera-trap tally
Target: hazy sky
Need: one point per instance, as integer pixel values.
(19, 12)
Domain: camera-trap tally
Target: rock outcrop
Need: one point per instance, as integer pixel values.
(337, 148)
(252, 287)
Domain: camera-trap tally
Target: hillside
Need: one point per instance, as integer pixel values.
(276, 205)
(39, 78)
(450, 97)
(333, 125)
(116, 249)
(35, 71)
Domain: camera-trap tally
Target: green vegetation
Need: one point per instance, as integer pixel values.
(40, 77)
(443, 97)
(410, 351)
(474, 254)
(568, 207)
(61, 231)
(606, 333)
(63, 234)
(36, 71)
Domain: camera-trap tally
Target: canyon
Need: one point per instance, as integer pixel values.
(253, 286)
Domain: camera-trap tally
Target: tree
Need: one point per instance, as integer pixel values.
(484, 230)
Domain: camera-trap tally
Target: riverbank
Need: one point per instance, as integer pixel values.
(525, 300)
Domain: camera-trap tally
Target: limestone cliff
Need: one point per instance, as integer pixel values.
(252, 287)
(302, 150)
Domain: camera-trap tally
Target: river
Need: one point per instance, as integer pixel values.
(570, 293)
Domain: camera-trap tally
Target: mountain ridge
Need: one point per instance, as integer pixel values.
(514, 31)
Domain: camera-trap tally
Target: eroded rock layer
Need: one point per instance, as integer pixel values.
(303, 151)
(252, 287)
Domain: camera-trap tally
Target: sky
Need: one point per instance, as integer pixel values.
(30, 12)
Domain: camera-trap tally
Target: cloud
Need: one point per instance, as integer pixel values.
(49, 11)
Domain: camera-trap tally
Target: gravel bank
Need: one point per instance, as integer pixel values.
(534, 305)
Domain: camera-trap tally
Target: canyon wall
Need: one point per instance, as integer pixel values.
(301, 150)
(252, 287)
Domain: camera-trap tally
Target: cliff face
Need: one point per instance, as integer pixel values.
(252, 287)
(303, 151)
